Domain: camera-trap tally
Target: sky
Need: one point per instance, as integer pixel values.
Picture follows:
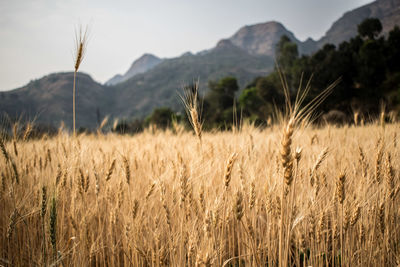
(37, 36)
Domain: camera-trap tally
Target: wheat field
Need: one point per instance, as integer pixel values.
(327, 197)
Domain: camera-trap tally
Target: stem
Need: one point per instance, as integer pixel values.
(253, 245)
(280, 260)
(44, 243)
(289, 219)
(73, 102)
(238, 244)
(222, 232)
(341, 237)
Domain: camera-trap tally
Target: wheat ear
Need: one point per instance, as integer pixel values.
(228, 170)
(189, 99)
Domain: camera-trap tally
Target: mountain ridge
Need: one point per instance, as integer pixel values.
(48, 100)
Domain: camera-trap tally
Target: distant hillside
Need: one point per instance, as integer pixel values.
(160, 85)
(49, 100)
(387, 11)
(141, 65)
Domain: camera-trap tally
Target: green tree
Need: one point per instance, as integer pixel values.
(250, 103)
(371, 68)
(287, 53)
(223, 92)
(393, 50)
(219, 102)
(162, 117)
(329, 64)
(270, 90)
(370, 28)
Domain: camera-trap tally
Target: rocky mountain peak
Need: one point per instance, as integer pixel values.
(140, 65)
(262, 38)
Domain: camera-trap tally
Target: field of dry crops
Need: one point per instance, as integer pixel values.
(249, 197)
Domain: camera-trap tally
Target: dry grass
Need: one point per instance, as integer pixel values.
(158, 199)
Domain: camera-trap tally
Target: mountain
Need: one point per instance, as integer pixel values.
(256, 40)
(142, 64)
(49, 100)
(387, 11)
(160, 86)
(261, 39)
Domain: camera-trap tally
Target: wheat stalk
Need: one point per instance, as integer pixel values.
(389, 174)
(4, 150)
(110, 170)
(228, 169)
(102, 124)
(318, 162)
(81, 39)
(378, 164)
(42, 214)
(127, 170)
(238, 205)
(53, 226)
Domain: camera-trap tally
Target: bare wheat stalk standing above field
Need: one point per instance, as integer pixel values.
(79, 53)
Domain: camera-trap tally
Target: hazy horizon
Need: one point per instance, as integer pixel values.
(38, 36)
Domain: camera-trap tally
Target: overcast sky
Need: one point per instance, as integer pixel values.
(37, 36)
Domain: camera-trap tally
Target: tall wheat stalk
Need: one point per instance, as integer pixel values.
(79, 54)
(295, 113)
